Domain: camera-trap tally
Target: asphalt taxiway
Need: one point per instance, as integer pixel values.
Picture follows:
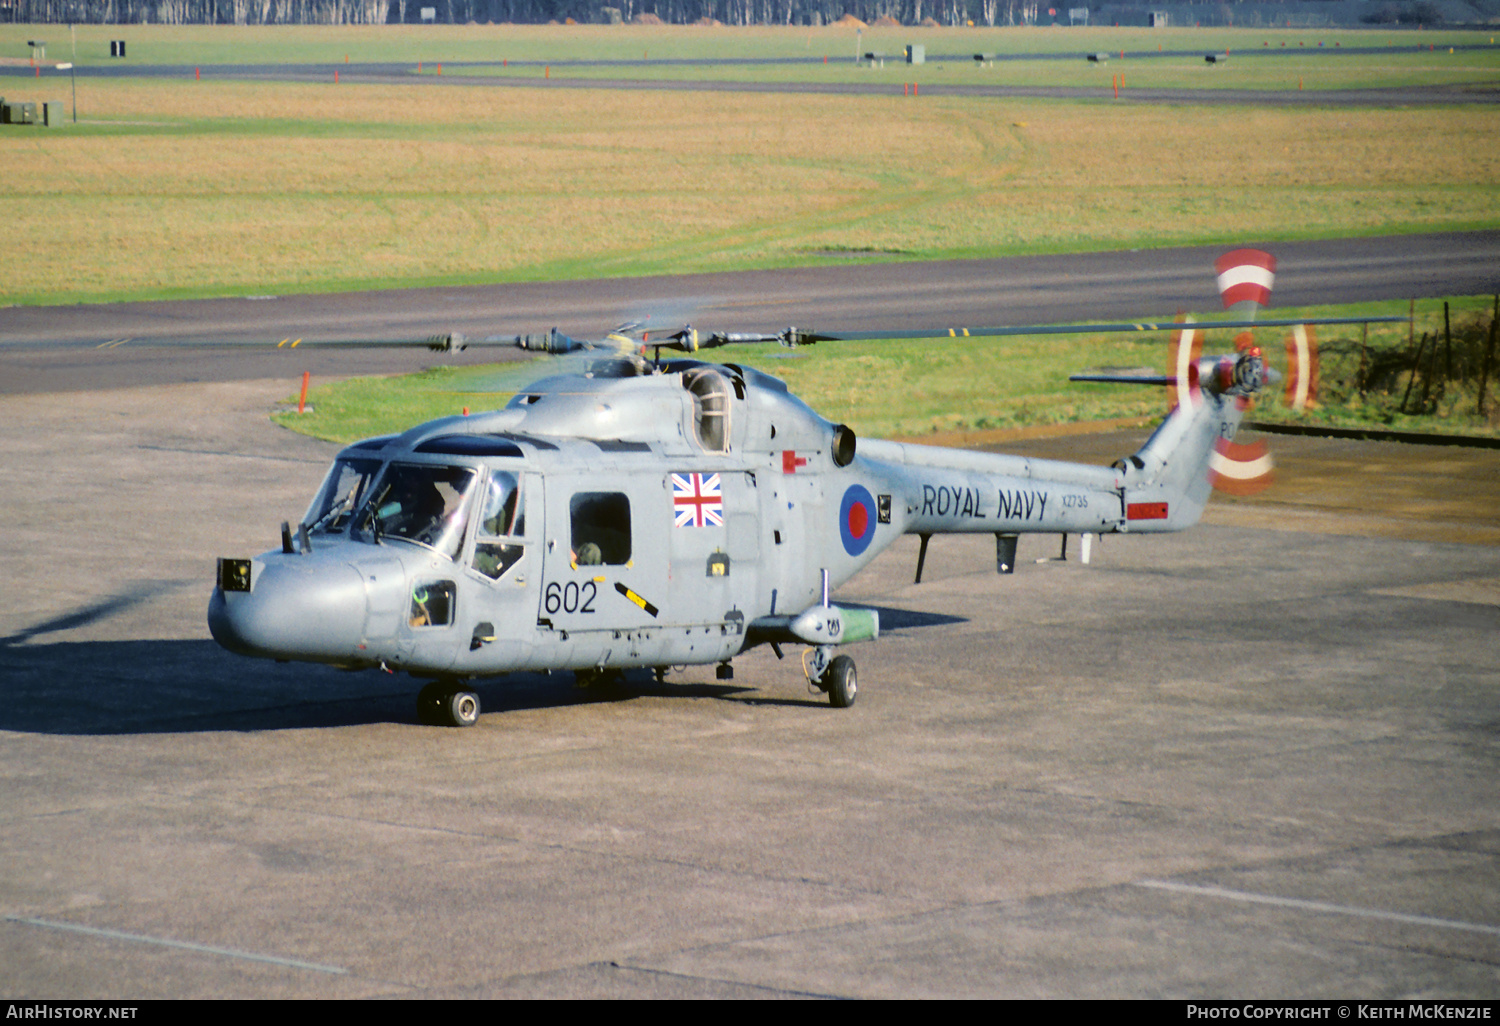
(634, 76)
(1257, 759)
(45, 349)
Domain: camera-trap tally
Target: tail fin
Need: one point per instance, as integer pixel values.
(1168, 481)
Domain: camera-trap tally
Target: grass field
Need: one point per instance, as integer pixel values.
(1283, 59)
(320, 44)
(912, 389)
(178, 189)
(181, 188)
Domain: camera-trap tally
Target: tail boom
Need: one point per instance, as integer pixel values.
(1162, 487)
(956, 491)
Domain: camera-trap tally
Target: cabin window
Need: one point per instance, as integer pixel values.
(600, 528)
(502, 519)
(432, 604)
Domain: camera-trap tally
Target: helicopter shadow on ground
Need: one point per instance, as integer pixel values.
(892, 619)
(165, 686)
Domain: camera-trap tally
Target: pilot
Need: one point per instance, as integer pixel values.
(415, 507)
(589, 554)
(500, 511)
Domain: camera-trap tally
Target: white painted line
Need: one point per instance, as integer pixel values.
(94, 931)
(1317, 906)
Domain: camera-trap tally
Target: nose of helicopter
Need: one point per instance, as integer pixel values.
(297, 607)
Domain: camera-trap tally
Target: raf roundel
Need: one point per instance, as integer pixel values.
(857, 519)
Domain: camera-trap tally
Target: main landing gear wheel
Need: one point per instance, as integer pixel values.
(447, 704)
(840, 682)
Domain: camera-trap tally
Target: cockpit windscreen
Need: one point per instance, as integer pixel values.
(420, 503)
(342, 492)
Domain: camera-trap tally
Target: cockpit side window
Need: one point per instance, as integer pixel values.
(421, 503)
(600, 528)
(343, 490)
(502, 522)
(502, 514)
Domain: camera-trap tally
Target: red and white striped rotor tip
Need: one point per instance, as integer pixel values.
(1184, 347)
(1245, 278)
(1301, 368)
(1240, 469)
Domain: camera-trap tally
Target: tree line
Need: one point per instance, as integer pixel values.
(379, 12)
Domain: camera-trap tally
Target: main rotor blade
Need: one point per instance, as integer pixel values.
(689, 341)
(450, 342)
(445, 343)
(796, 337)
(1126, 379)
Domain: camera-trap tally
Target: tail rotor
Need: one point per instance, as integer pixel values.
(1245, 279)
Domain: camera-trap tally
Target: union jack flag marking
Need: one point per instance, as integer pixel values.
(698, 500)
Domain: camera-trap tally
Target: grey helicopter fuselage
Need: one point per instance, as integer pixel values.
(648, 516)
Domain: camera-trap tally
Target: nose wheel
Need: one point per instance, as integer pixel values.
(840, 682)
(447, 704)
(833, 675)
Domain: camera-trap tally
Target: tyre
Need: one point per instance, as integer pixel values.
(840, 682)
(444, 703)
(430, 703)
(461, 709)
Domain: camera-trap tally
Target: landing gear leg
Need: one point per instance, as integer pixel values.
(445, 703)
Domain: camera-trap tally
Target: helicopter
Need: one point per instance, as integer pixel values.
(657, 512)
